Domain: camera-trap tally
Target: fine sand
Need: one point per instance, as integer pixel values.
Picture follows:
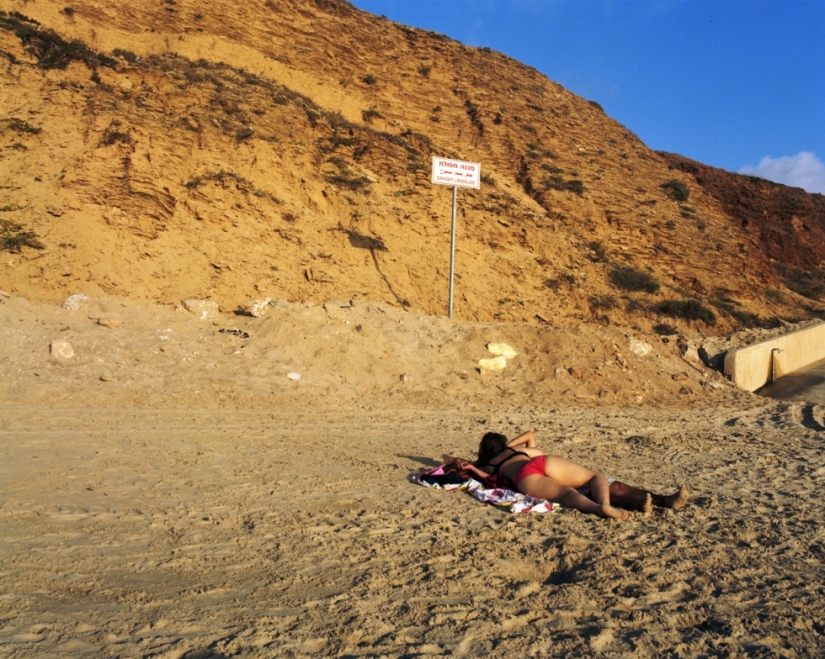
(182, 497)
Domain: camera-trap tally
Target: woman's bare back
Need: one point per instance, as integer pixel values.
(510, 461)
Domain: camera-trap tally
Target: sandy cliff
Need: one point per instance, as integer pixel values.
(163, 151)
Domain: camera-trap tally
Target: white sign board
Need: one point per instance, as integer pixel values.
(456, 173)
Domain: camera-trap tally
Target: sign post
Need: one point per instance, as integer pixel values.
(457, 174)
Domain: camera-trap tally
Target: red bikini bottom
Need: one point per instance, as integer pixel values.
(533, 467)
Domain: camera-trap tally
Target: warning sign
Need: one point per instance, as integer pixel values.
(456, 173)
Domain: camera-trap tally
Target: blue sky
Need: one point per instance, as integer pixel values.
(737, 84)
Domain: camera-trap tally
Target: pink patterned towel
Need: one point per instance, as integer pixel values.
(510, 500)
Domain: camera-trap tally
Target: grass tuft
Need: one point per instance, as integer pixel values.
(369, 115)
(13, 238)
(222, 176)
(20, 126)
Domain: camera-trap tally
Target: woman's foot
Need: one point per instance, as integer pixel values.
(614, 513)
(678, 498)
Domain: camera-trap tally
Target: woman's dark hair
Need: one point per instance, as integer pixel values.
(491, 445)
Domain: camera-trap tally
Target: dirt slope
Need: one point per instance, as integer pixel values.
(282, 150)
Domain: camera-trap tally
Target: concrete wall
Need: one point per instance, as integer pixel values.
(750, 367)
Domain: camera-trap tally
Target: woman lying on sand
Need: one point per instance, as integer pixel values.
(556, 479)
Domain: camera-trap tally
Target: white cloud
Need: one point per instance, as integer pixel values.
(804, 170)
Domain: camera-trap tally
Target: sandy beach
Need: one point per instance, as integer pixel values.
(206, 524)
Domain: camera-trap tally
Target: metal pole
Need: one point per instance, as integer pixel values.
(452, 253)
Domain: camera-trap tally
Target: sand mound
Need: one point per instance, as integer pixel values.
(127, 354)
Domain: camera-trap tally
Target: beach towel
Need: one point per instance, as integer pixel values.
(501, 497)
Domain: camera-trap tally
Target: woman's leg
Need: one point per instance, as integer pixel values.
(575, 475)
(543, 487)
(633, 498)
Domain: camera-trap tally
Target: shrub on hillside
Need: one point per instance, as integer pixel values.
(243, 134)
(558, 183)
(687, 309)
(810, 284)
(552, 168)
(565, 279)
(51, 50)
(606, 302)
(599, 251)
(663, 329)
(127, 55)
(346, 180)
(676, 190)
(630, 279)
(748, 319)
(115, 136)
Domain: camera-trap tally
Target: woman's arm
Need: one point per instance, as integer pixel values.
(525, 438)
(469, 466)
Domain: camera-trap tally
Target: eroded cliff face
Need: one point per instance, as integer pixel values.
(788, 223)
(282, 150)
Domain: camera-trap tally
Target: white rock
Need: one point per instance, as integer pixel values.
(561, 373)
(61, 349)
(74, 302)
(494, 363)
(294, 376)
(502, 350)
(203, 309)
(640, 348)
(257, 308)
(690, 353)
(113, 213)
